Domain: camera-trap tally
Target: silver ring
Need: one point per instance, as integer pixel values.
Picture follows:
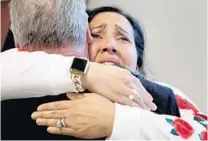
(63, 123)
(60, 123)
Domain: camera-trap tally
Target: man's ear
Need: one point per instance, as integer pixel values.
(89, 37)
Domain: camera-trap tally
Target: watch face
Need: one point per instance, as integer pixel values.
(79, 64)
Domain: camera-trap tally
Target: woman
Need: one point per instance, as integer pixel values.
(116, 37)
(116, 42)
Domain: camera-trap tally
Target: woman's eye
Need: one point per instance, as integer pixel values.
(96, 36)
(123, 39)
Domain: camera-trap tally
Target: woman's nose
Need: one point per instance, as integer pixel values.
(109, 46)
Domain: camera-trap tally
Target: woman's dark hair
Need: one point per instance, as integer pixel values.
(138, 34)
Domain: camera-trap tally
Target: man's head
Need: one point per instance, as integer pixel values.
(49, 25)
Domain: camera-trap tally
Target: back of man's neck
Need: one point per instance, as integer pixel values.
(65, 50)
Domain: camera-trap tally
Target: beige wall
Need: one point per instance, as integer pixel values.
(176, 42)
(5, 21)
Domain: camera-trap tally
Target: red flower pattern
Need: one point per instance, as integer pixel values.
(200, 115)
(203, 135)
(183, 128)
(185, 104)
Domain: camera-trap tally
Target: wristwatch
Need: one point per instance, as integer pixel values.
(78, 68)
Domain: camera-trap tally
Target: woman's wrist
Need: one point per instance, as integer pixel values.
(85, 79)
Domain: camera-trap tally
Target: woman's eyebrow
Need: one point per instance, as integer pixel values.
(102, 26)
(122, 30)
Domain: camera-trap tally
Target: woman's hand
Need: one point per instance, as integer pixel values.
(118, 85)
(86, 116)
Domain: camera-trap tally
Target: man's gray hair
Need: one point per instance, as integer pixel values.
(48, 22)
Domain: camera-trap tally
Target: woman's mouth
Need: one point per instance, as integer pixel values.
(109, 63)
(110, 60)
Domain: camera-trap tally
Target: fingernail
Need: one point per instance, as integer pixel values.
(38, 121)
(39, 108)
(154, 107)
(34, 116)
(49, 129)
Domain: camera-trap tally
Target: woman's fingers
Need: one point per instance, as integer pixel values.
(47, 122)
(138, 98)
(62, 131)
(56, 114)
(54, 105)
(145, 98)
(124, 97)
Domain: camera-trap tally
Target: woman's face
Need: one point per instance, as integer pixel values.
(113, 40)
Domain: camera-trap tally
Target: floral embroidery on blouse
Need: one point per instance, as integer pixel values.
(180, 128)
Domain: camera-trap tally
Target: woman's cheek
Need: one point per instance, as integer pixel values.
(92, 52)
(130, 59)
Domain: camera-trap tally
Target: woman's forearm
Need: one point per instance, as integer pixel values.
(34, 74)
(138, 124)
